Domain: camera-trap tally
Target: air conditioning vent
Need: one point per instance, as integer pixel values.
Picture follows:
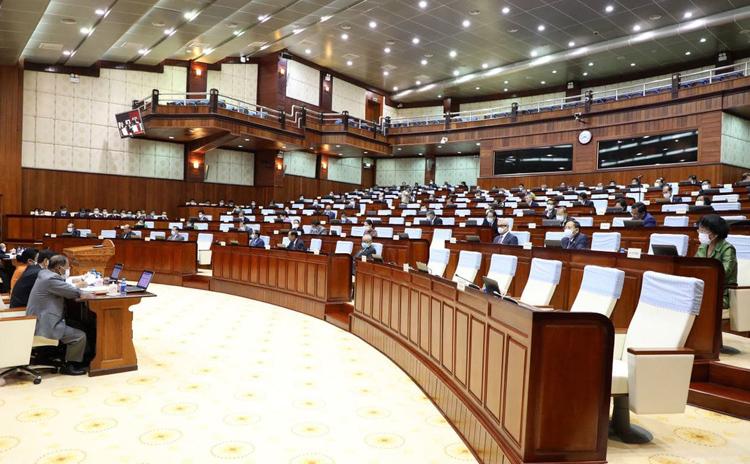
(131, 45)
(55, 47)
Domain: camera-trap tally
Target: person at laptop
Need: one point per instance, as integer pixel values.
(317, 229)
(127, 233)
(19, 297)
(71, 231)
(433, 220)
(639, 213)
(367, 248)
(504, 237)
(175, 236)
(573, 239)
(295, 243)
(47, 303)
(712, 235)
(255, 240)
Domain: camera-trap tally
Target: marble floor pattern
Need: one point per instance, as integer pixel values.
(223, 378)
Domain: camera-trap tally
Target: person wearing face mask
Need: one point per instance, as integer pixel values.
(367, 248)
(638, 212)
(549, 211)
(504, 237)
(71, 231)
(296, 226)
(175, 236)
(712, 234)
(25, 259)
(19, 296)
(529, 200)
(584, 200)
(47, 303)
(255, 240)
(370, 229)
(573, 239)
(561, 215)
(433, 220)
(705, 185)
(667, 197)
(127, 233)
(295, 243)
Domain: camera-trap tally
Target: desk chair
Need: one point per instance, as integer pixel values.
(439, 237)
(438, 261)
(680, 241)
(739, 298)
(605, 241)
(543, 279)
(413, 232)
(620, 221)
(522, 236)
(553, 236)
(204, 248)
(336, 229)
(468, 266)
(358, 231)
(378, 248)
(384, 232)
(585, 221)
(600, 289)
(396, 220)
(17, 340)
(200, 226)
(651, 368)
(502, 270)
(344, 247)
(676, 221)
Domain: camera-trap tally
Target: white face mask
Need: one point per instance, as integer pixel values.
(705, 186)
(559, 218)
(568, 233)
(67, 273)
(699, 203)
(70, 229)
(490, 218)
(667, 195)
(704, 238)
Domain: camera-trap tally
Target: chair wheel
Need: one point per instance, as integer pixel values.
(37, 380)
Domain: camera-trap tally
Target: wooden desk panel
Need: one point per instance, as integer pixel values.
(170, 261)
(301, 281)
(506, 376)
(705, 336)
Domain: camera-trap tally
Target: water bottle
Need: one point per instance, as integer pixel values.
(123, 286)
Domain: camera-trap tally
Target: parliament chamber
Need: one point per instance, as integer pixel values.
(430, 231)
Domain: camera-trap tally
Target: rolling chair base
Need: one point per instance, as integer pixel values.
(29, 371)
(621, 429)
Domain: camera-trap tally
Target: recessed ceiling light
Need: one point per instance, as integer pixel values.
(485, 65)
(632, 65)
(585, 74)
(505, 82)
(571, 44)
(609, 8)
(349, 63)
(415, 40)
(373, 24)
(68, 21)
(456, 72)
(458, 152)
(439, 95)
(238, 33)
(385, 73)
(308, 51)
(554, 71)
(247, 140)
(703, 40)
(418, 82)
(687, 52)
(534, 53)
(422, 4)
(541, 28)
(637, 27)
(452, 53)
(477, 88)
(688, 15)
(655, 17)
(505, 10)
(395, 88)
(466, 23)
(85, 30)
(171, 137)
(264, 18)
(324, 18)
(344, 36)
(169, 31)
(239, 146)
(543, 82)
(100, 11)
(591, 63)
(208, 51)
(143, 51)
(297, 31)
(190, 15)
(387, 50)
(505, 90)
(66, 52)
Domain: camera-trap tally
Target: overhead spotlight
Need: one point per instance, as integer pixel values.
(143, 51)
(386, 73)
(423, 62)
(452, 53)
(703, 40)
(85, 30)
(373, 24)
(208, 51)
(456, 72)
(477, 88)
(264, 18)
(505, 10)
(415, 40)
(344, 36)
(418, 82)
(387, 50)
(307, 51)
(485, 65)
(67, 52)
(169, 31)
(100, 12)
(466, 23)
(571, 44)
(609, 8)
(637, 28)
(554, 71)
(688, 53)
(190, 15)
(541, 28)
(632, 65)
(324, 18)
(543, 82)
(395, 88)
(349, 63)
(422, 4)
(688, 15)
(534, 53)
(585, 74)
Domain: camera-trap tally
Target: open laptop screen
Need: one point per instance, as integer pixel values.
(145, 279)
(116, 272)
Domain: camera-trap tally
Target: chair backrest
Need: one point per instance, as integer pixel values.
(209, 217)
(674, 208)
(344, 247)
(550, 235)
(84, 232)
(600, 289)
(413, 232)
(468, 266)
(502, 269)
(315, 244)
(149, 224)
(384, 232)
(384, 212)
(226, 218)
(306, 229)
(185, 236)
(678, 240)
(204, 241)
(378, 248)
(605, 241)
(16, 340)
(741, 244)
(200, 225)
(226, 226)
(676, 221)
(266, 239)
(438, 261)
(109, 233)
(728, 197)
(138, 233)
(157, 234)
(665, 313)
(358, 231)
(620, 221)
(522, 236)
(543, 279)
(439, 236)
(396, 220)
(179, 225)
(735, 206)
(337, 229)
(585, 221)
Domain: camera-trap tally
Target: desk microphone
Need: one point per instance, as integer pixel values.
(468, 282)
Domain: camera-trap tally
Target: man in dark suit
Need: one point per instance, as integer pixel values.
(528, 198)
(583, 200)
(667, 196)
(255, 240)
(638, 211)
(295, 243)
(573, 239)
(62, 212)
(367, 248)
(71, 231)
(549, 211)
(433, 220)
(242, 219)
(19, 297)
(175, 235)
(127, 233)
(504, 237)
(329, 212)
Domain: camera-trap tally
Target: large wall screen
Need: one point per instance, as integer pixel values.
(557, 158)
(649, 150)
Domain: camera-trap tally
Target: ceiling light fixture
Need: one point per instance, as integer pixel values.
(703, 40)
(585, 74)
(418, 82)
(688, 15)
(143, 51)
(373, 24)
(424, 62)
(505, 10)
(485, 65)
(208, 51)
(456, 72)
(687, 53)
(554, 71)
(308, 51)
(543, 82)
(264, 18)
(591, 63)
(67, 52)
(609, 8)
(324, 18)
(632, 65)
(297, 31)
(387, 50)
(395, 88)
(422, 4)
(534, 53)
(169, 31)
(349, 63)
(466, 23)
(190, 15)
(477, 88)
(439, 95)
(385, 73)
(452, 54)
(541, 28)
(344, 36)
(415, 40)
(505, 90)
(101, 12)
(637, 27)
(85, 30)
(571, 44)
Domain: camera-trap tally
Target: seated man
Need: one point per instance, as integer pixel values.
(370, 229)
(317, 229)
(561, 214)
(583, 200)
(47, 301)
(529, 200)
(127, 233)
(62, 212)
(549, 210)
(504, 237)
(573, 239)
(433, 220)
(297, 227)
(344, 219)
(175, 235)
(367, 248)
(667, 196)
(295, 243)
(71, 231)
(19, 296)
(242, 219)
(26, 258)
(202, 216)
(255, 240)
(638, 212)
(329, 212)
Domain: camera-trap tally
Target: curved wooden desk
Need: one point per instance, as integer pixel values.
(521, 385)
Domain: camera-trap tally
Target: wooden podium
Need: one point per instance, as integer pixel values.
(85, 258)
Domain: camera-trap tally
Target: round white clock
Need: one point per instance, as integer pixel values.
(584, 137)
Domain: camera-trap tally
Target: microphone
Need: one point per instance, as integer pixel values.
(468, 282)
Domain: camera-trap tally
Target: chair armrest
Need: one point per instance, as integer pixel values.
(660, 351)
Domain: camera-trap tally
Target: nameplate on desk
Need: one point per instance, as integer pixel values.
(681, 211)
(461, 224)
(393, 207)
(147, 239)
(222, 243)
(605, 226)
(727, 186)
(101, 237)
(610, 197)
(694, 193)
(52, 235)
(634, 253)
(182, 219)
(407, 224)
(322, 223)
(359, 214)
(276, 232)
(461, 287)
(528, 246)
(316, 252)
(453, 240)
(532, 225)
(519, 212)
(364, 259)
(268, 247)
(396, 237)
(406, 267)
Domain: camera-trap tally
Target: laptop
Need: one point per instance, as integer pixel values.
(491, 286)
(632, 223)
(143, 281)
(422, 267)
(115, 276)
(550, 243)
(664, 250)
(550, 223)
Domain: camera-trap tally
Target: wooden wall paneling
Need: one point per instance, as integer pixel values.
(11, 119)
(197, 79)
